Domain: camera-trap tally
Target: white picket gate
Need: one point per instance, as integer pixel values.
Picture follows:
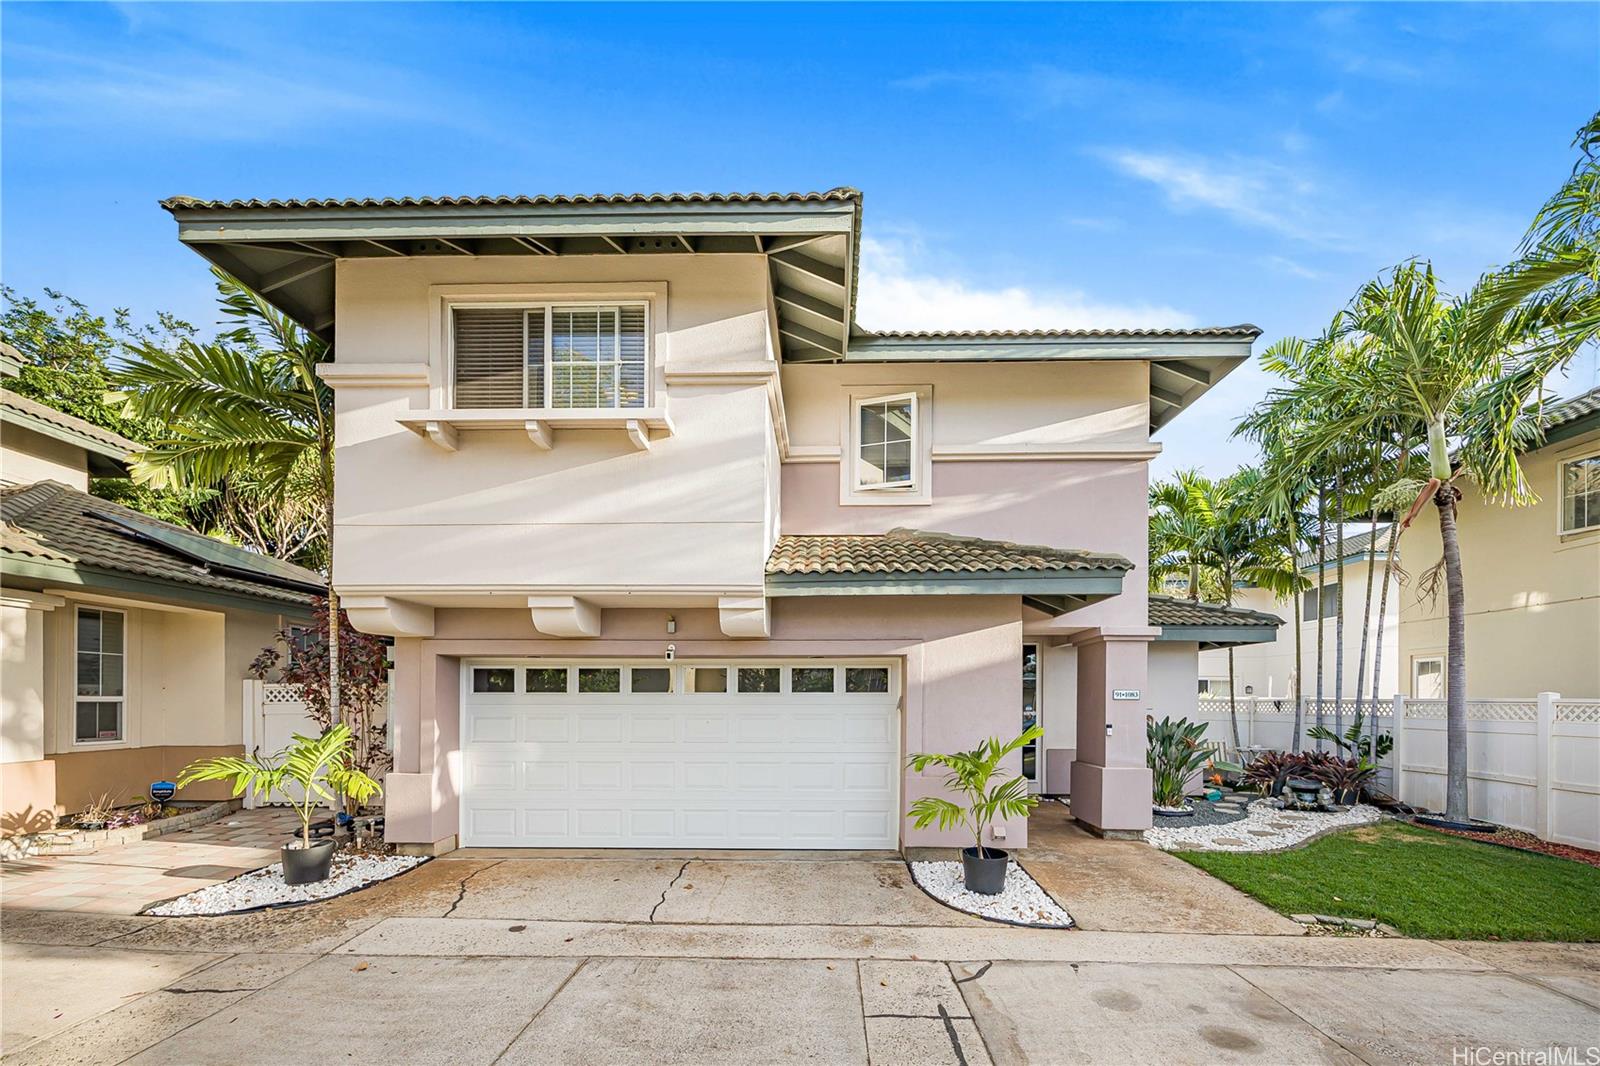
(273, 714)
(1532, 764)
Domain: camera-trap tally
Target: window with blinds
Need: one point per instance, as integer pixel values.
(555, 355)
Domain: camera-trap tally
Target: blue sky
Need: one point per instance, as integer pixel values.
(1030, 166)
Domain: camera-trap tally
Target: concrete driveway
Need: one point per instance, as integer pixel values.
(657, 959)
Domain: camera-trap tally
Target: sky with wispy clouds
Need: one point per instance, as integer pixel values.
(1023, 166)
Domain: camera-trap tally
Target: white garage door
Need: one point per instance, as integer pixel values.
(734, 755)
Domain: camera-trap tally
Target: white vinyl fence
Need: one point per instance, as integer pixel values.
(1532, 764)
(273, 714)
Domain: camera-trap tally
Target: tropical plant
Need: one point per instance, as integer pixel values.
(973, 774)
(1213, 533)
(247, 411)
(97, 811)
(1174, 754)
(299, 656)
(1355, 741)
(319, 768)
(1345, 778)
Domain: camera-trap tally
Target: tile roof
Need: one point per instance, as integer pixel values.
(1244, 329)
(1173, 611)
(1354, 544)
(50, 522)
(112, 444)
(1564, 412)
(912, 551)
(842, 193)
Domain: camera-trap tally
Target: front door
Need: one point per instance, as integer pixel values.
(1032, 764)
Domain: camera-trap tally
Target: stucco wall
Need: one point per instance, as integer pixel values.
(961, 658)
(1172, 692)
(1533, 595)
(1269, 668)
(692, 512)
(26, 457)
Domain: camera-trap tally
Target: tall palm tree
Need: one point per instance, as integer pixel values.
(1444, 364)
(1214, 531)
(246, 409)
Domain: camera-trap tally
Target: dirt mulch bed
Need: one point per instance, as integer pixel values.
(1516, 838)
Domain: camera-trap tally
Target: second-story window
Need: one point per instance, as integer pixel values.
(886, 443)
(550, 355)
(1580, 494)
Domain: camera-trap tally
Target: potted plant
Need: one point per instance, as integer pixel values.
(1174, 755)
(321, 768)
(989, 798)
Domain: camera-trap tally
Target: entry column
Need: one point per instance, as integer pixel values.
(1110, 781)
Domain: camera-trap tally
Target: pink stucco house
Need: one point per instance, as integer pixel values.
(676, 554)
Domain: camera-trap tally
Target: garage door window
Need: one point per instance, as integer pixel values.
(866, 679)
(547, 679)
(599, 679)
(650, 679)
(759, 678)
(494, 679)
(811, 679)
(706, 679)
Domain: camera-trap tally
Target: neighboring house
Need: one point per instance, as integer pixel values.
(1191, 633)
(1268, 670)
(1532, 575)
(676, 554)
(123, 639)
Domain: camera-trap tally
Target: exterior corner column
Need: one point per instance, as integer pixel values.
(1110, 778)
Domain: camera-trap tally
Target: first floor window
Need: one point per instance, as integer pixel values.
(551, 355)
(1427, 678)
(1580, 494)
(886, 443)
(101, 655)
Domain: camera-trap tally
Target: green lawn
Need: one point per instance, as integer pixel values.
(1423, 883)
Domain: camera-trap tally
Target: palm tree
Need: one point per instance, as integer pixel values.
(245, 413)
(1462, 374)
(1213, 530)
(1556, 280)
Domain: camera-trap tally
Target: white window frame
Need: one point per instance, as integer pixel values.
(1561, 496)
(1418, 660)
(121, 701)
(446, 334)
(852, 492)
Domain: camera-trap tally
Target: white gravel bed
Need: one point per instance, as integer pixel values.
(1022, 900)
(265, 887)
(1263, 828)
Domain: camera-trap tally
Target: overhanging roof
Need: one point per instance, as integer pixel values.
(911, 562)
(286, 250)
(1572, 417)
(1211, 625)
(107, 451)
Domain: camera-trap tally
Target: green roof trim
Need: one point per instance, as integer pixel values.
(1572, 417)
(108, 451)
(1210, 625)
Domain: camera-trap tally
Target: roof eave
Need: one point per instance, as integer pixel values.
(1220, 636)
(113, 459)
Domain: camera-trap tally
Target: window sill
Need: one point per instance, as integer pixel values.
(443, 427)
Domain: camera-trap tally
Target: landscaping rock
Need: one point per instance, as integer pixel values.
(1022, 901)
(1260, 829)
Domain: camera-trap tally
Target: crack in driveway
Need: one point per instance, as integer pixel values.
(461, 889)
(676, 878)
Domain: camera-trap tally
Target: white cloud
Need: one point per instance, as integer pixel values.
(1285, 265)
(894, 295)
(1257, 192)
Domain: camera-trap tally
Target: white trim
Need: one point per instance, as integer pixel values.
(442, 298)
(1561, 496)
(121, 739)
(375, 375)
(1417, 660)
(920, 490)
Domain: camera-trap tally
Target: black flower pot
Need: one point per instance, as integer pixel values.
(987, 875)
(304, 866)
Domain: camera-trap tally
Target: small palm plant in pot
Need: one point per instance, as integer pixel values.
(311, 771)
(990, 797)
(1174, 755)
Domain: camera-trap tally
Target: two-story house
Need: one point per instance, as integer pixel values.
(1532, 575)
(676, 554)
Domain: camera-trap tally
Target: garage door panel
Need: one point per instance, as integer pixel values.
(666, 769)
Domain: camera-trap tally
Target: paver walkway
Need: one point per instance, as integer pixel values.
(125, 878)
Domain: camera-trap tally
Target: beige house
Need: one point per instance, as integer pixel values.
(1532, 576)
(675, 553)
(1268, 671)
(123, 640)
